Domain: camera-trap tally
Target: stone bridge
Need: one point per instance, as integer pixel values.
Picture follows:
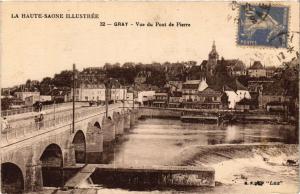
(37, 154)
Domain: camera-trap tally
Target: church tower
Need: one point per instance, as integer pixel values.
(213, 58)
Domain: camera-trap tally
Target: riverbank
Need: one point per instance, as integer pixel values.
(212, 116)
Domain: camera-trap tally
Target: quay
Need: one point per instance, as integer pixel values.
(211, 116)
(199, 118)
(113, 175)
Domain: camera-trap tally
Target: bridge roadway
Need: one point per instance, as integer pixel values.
(33, 153)
(48, 109)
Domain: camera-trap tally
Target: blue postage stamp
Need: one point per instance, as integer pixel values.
(263, 25)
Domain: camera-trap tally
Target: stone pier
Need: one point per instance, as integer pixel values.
(133, 117)
(118, 120)
(94, 145)
(127, 120)
(109, 131)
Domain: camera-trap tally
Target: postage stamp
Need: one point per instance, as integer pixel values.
(263, 25)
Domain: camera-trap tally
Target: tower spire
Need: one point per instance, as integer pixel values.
(214, 45)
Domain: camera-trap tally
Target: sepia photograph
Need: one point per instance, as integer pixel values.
(130, 97)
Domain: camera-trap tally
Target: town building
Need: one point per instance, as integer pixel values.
(257, 70)
(30, 100)
(142, 77)
(212, 61)
(235, 67)
(197, 72)
(174, 85)
(97, 92)
(145, 97)
(246, 104)
(241, 91)
(92, 75)
(276, 106)
(24, 95)
(60, 95)
(16, 103)
(175, 99)
(118, 93)
(274, 94)
(161, 99)
(89, 92)
(270, 71)
(236, 92)
(255, 85)
(6, 91)
(207, 99)
(190, 89)
(232, 96)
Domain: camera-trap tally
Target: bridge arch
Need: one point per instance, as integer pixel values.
(97, 124)
(79, 142)
(12, 178)
(52, 166)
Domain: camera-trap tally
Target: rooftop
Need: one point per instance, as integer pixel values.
(210, 92)
(257, 65)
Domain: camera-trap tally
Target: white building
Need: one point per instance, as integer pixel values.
(236, 93)
(257, 70)
(96, 92)
(24, 95)
(30, 100)
(118, 94)
(89, 92)
(144, 96)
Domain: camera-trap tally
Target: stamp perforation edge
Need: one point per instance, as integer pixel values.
(263, 47)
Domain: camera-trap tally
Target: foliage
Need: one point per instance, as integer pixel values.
(63, 79)
(5, 103)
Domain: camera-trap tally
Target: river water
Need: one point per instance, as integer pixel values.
(234, 151)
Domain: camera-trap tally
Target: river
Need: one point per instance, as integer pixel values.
(237, 152)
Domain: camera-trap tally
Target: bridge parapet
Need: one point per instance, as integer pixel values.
(19, 131)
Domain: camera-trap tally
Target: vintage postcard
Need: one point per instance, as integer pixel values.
(149, 97)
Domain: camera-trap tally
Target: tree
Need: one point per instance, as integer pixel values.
(28, 83)
(157, 78)
(45, 85)
(63, 79)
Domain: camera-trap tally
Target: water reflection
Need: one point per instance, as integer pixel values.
(158, 142)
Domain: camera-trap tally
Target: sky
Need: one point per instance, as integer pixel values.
(36, 48)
